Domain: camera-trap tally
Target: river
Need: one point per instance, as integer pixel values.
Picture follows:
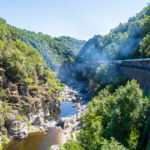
(41, 141)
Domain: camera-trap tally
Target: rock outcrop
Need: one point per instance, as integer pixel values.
(34, 106)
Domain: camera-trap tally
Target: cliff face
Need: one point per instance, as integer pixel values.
(23, 105)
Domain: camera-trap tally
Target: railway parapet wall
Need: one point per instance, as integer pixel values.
(140, 74)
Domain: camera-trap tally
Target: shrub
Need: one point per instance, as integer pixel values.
(121, 115)
(20, 118)
(29, 81)
(1, 147)
(33, 87)
(4, 140)
(3, 94)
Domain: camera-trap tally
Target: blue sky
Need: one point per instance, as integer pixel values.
(81, 19)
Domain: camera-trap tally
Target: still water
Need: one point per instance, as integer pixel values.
(39, 141)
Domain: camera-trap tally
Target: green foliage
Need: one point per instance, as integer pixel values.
(22, 62)
(29, 124)
(33, 87)
(54, 50)
(49, 148)
(4, 140)
(1, 147)
(20, 117)
(71, 145)
(3, 94)
(120, 115)
(122, 42)
(105, 74)
(1, 45)
(114, 120)
(5, 108)
(29, 81)
(112, 145)
(145, 46)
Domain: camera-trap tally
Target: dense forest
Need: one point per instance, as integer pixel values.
(18, 59)
(53, 50)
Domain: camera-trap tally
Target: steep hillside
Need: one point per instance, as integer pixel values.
(27, 86)
(54, 50)
(130, 39)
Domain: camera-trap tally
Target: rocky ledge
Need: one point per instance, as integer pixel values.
(41, 114)
(28, 109)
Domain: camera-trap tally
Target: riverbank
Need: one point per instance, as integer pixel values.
(70, 125)
(66, 122)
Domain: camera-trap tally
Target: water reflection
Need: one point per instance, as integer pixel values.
(38, 141)
(52, 138)
(32, 142)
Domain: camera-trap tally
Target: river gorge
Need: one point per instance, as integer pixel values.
(63, 125)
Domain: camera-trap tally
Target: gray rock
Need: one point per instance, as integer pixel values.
(9, 119)
(38, 121)
(18, 130)
(3, 131)
(27, 108)
(55, 147)
(61, 122)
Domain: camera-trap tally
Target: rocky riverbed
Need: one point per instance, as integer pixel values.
(70, 124)
(73, 105)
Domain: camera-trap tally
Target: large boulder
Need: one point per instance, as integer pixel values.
(18, 130)
(9, 119)
(51, 106)
(38, 121)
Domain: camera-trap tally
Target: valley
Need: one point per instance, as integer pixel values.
(55, 96)
(65, 123)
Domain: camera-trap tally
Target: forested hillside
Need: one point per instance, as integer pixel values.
(54, 50)
(27, 85)
(128, 40)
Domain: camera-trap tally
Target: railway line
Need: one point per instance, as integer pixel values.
(141, 63)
